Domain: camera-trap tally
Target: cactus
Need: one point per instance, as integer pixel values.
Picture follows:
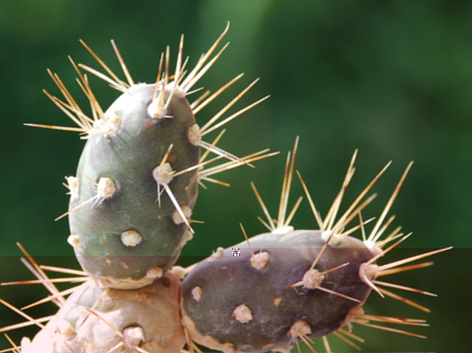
(222, 310)
(146, 318)
(137, 179)
(126, 238)
(309, 283)
(130, 210)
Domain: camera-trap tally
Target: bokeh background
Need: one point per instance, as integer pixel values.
(390, 78)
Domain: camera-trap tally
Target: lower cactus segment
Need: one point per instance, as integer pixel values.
(96, 320)
(265, 298)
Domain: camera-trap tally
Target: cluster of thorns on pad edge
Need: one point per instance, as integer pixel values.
(332, 227)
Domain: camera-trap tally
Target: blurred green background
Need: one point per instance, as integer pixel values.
(391, 78)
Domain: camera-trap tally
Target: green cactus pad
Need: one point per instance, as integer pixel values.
(97, 320)
(237, 301)
(126, 229)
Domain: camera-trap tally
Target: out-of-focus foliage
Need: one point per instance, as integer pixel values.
(392, 78)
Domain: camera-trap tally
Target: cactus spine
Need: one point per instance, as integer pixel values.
(130, 210)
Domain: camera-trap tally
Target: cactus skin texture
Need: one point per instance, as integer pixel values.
(146, 319)
(246, 303)
(131, 237)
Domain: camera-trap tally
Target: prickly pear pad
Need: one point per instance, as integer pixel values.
(97, 320)
(132, 235)
(243, 301)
